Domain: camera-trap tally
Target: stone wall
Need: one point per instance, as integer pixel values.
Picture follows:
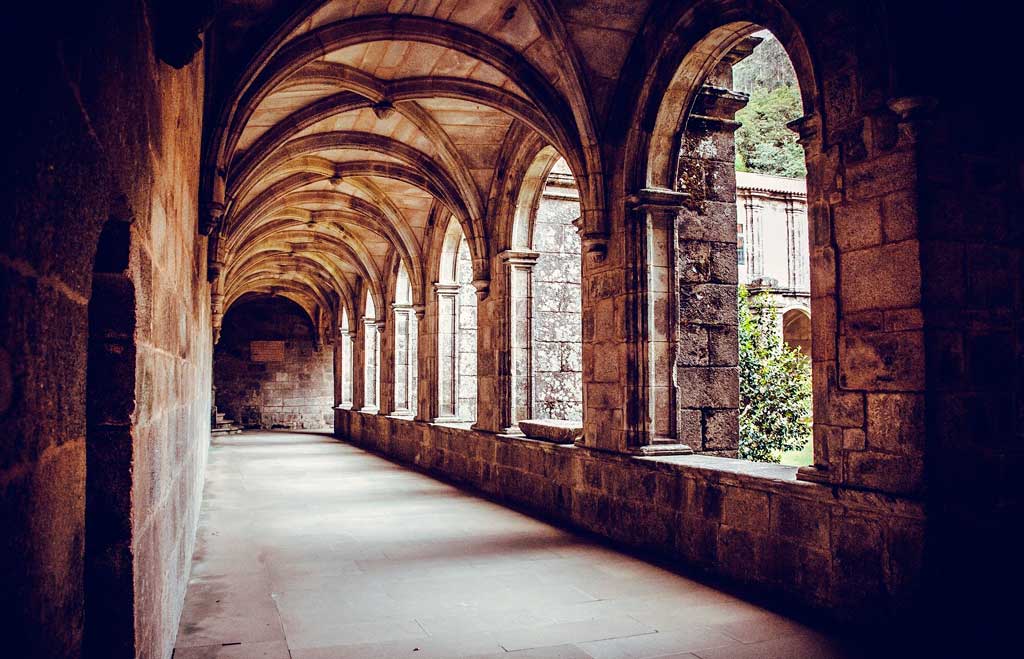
(854, 555)
(556, 322)
(284, 381)
(106, 133)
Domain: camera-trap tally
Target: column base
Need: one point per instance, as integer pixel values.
(370, 410)
(814, 474)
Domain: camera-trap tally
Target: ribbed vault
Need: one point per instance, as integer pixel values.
(359, 128)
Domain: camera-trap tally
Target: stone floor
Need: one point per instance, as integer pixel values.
(310, 548)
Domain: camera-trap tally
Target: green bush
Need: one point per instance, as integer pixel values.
(775, 384)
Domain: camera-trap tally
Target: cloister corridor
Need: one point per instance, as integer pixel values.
(311, 548)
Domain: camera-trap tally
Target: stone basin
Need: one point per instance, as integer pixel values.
(552, 430)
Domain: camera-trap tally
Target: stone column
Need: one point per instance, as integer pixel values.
(754, 238)
(372, 330)
(447, 351)
(707, 358)
(358, 371)
(346, 343)
(426, 362)
(518, 269)
(404, 348)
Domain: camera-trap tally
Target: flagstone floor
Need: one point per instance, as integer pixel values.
(310, 548)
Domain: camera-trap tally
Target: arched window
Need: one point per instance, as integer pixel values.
(735, 217)
(347, 337)
(796, 329)
(371, 357)
(544, 278)
(405, 346)
(456, 329)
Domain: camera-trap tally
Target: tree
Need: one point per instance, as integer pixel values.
(763, 143)
(775, 384)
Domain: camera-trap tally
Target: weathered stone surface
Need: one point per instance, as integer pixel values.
(552, 430)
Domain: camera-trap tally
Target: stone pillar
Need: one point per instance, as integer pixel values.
(794, 250)
(518, 269)
(372, 330)
(447, 351)
(345, 346)
(425, 339)
(358, 365)
(491, 358)
(867, 343)
(754, 238)
(652, 426)
(707, 359)
(386, 369)
(405, 349)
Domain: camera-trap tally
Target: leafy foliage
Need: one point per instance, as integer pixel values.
(764, 144)
(775, 385)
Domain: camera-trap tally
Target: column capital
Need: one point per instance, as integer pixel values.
(521, 257)
(483, 288)
(808, 128)
(912, 107)
(446, 288)
(420, 310)
(912, 111)
(658, 199)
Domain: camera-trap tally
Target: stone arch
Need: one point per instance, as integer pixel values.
(455, 310)
(530, 191)
(345, 371)
(372, 326)
(682, 236)
(404, 343)
(796, 328)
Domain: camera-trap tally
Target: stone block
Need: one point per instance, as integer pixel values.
(721, 429)
(692, 346)
(707, 304)
(895, 423)
(882, 361)
(693, 261)
(740, 553)
(716, 224)
(716, 387)
(859, 579)
(745, 509)
(853, 439)
(724, 267)
(899, 216)
(858, 224)
(801, 521)
(896, 474)
(882, 277)
(723, 346)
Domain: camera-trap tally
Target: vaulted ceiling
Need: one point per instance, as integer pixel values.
(357, 128)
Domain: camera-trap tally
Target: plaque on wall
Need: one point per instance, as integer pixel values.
(266, 351)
